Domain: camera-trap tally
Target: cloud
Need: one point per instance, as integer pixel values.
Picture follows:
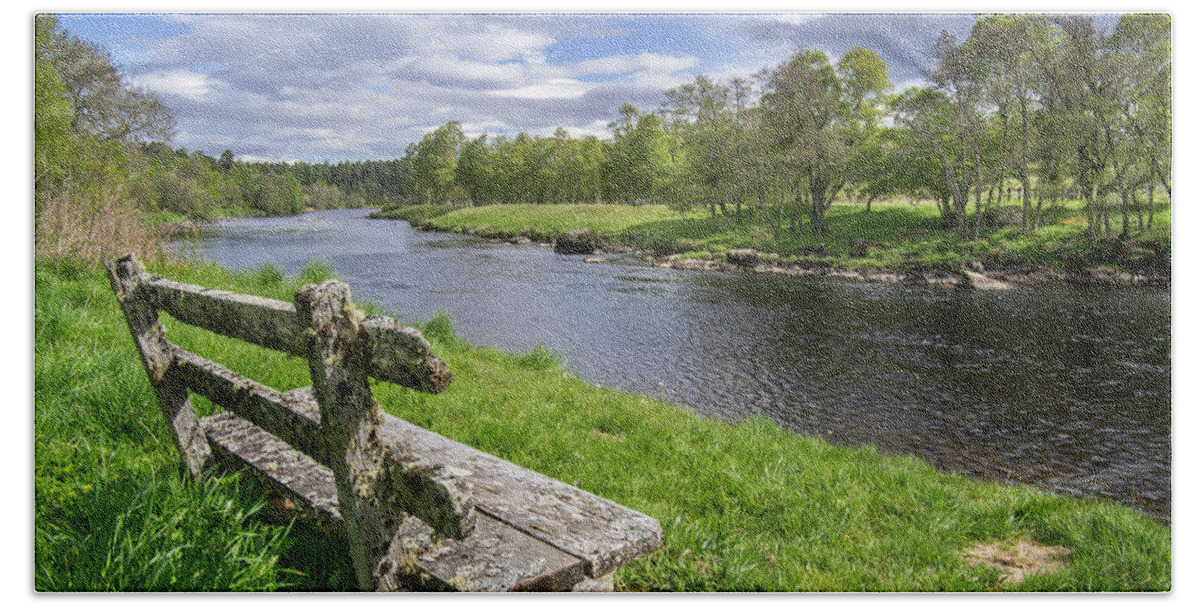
(189, 85)
(328, 87)
(559, 88)
(361, 86)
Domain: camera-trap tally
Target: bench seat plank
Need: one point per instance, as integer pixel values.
(603, 533)
(497, 557)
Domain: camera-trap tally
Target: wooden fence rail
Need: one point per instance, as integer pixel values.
(419, 510)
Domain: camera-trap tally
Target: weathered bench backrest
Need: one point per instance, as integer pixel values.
(377, 486)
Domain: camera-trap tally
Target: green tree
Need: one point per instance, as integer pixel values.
(474, 171)
(277, 194)
(226, 161)
(865, 78)
(52, 113)
(638, 161)
(1081, 94)
(817, 115)
(1011, 48)
(432, 163)
(104, 104)
(1140, 54)
(707, 125)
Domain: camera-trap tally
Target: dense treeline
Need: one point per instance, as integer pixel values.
(1046, 107)
(348, 183)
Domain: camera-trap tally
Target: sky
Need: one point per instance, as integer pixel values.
(357, 86)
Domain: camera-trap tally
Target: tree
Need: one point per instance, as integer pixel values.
(1010, 46)
(638, 160)
(433, 160)
(707, 126)
(818, 114)
(52, 113)
(864, 75)
(1140, 51)
(1080, 93)
(474, 171)
(104, 104)
(226, 161)
(931, 118)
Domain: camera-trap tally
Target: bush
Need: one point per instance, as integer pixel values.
(278, 194)
(321, 196)
(181, 195)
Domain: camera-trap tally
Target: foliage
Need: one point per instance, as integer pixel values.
(1047, 106)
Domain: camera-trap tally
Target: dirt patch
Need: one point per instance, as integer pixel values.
(1017, 559)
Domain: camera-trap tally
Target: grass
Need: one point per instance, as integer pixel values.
(901, 235)
(744, 507)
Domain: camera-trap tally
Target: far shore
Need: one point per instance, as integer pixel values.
(983, 266)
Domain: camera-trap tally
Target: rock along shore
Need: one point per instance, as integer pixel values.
(972, 276)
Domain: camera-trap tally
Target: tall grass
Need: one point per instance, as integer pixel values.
(93, 227)
(113, 510)
(744, 507)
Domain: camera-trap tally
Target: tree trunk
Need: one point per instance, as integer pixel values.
(818, 211)
(1104, 206)
(794, 221)
(1026, 198)
(1124, 213)
(1150, 208)
(978, 209)
(777, 220)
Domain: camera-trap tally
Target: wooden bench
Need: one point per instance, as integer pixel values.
(419, 511)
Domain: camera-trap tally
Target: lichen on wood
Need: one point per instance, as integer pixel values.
(374, 487)
(127, 277)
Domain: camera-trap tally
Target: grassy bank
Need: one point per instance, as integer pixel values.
(744, 507)
(894, 236)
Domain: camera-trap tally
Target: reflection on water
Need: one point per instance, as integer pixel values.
(1062, 387)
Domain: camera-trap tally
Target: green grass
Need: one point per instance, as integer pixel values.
(167, 218)
(744, 507)
(905, 235)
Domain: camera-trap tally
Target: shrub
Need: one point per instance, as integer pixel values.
(93, 229)
(181, 195)
(278, 194)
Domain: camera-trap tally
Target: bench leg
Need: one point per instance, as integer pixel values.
(125, 275)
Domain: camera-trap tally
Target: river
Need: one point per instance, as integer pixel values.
(1063, 387)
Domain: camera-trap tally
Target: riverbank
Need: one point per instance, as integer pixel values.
(902, 243)
(747, 506)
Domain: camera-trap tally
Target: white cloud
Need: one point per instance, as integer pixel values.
(182, 83)
(346, 86)
(559, 88)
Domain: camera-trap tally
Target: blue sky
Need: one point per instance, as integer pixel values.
(331, 87)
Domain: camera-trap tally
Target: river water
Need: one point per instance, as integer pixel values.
(1063, 387)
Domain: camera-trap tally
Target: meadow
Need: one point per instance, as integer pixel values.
(902, 235)
(745, 506)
